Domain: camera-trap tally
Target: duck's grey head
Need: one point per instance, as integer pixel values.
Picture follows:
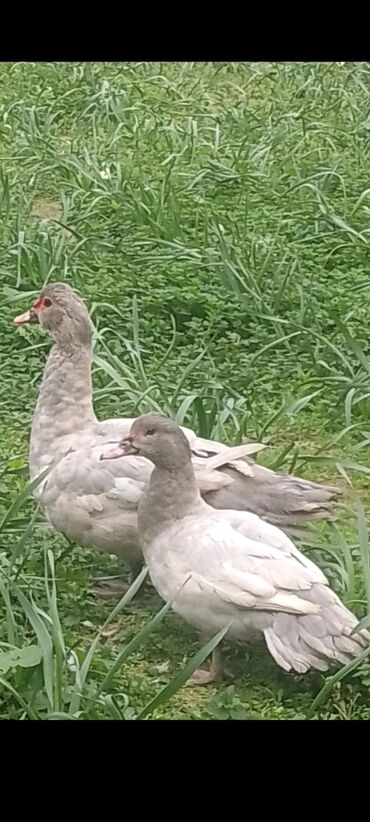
(60, 311)
(158, 439)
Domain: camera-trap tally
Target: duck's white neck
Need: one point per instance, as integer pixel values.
(64, 404)
(170, 496)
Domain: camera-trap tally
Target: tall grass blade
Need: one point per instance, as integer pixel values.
(44, 639)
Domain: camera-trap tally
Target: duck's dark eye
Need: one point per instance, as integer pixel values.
(47, 302)
(149, 432)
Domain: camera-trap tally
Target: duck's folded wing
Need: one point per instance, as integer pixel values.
(255, 528)
(251, 574)
(264, 589)
(281, 499)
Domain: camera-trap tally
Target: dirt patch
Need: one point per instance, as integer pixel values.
(46, 209)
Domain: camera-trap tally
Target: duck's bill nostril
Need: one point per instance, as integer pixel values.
(128, 446)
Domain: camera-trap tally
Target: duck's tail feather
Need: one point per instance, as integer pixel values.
(316, 640)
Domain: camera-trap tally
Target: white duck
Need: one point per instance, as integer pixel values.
(219, 571)
(95, 504)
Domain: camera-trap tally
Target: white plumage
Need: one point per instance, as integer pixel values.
(225, 566)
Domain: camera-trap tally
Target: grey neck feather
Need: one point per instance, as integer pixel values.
(171, 495)
(64, 404)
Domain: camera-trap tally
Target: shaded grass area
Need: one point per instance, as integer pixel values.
(215, 218)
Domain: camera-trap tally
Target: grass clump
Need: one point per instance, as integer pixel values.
(215, 218)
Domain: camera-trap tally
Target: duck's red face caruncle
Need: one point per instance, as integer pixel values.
(33, 315)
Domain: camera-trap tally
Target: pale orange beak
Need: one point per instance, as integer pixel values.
(29, 316)
(123, 449)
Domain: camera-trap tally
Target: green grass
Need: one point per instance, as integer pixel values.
(216, 219)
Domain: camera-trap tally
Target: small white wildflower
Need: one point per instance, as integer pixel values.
(105, 173)
(71, 661)
(163, 667)
(87, 624)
